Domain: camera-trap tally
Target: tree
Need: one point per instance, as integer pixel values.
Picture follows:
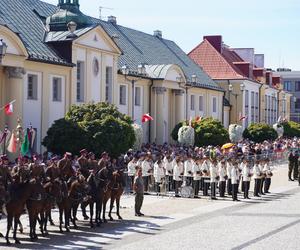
(210, 131)
(259, 132)
(97, 127)
(291, 129)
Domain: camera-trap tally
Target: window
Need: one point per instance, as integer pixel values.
(287, 85)
(108, 82)
(80, 82)
(201, 103)
(122, 100)
(252, 107)
(192, 102)
(137, 96)
(214, 106)
(297, 86)
(266, 108)
(246, 107)
(297, 104)
(56, 89)
(256, 107)
(32, 87)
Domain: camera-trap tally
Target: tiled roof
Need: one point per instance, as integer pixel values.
(27, 17)
(217, 65)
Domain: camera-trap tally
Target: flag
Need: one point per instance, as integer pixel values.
(241, 117)
(198, 119)
(9, 108)
(12, 146)
(147, 118)
(25, 145)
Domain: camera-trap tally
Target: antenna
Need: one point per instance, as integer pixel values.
(100, 11)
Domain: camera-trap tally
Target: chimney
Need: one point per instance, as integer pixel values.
(215, 41)
(112, 19)
(157, 33)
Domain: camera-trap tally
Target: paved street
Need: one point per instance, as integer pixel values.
(271, 222)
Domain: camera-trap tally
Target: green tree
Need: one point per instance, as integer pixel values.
(259, 132)
(291, 129)
(98, 127)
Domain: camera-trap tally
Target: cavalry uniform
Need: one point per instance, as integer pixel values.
(37, 171)
(5, 175)
(83, 166)
(53, 172)
(21, 172)
(65, 167)
(222, 175)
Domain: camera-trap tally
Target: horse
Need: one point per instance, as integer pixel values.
(64, 208)
(35, 207)
(15, 206)
(116, 193)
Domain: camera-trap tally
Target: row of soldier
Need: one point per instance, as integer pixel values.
(202, 173)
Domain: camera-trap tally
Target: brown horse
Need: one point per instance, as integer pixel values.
(116, 193)
(21, 193)
(35, 207)
(113, 191)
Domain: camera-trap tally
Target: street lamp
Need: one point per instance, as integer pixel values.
(3, 48)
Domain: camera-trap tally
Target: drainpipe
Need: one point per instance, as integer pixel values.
(150, 93)
(229, 117)
(259, 108)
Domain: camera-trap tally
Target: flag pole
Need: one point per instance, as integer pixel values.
(8, 103)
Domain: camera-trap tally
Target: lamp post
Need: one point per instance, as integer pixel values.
(230, 89)
(3, 48)
(186, 87)
(141, 70)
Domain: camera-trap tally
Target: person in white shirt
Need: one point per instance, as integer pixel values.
(257, 177)
(146, 171)
(235, 175)
(246, 175)
(168, 166)
(263, 177)
(213, 170)
(188, 174)
(196, 176)
(131, 169)
(269, 174)
(178, 174)
(158, 174)
(206, 176)
(222, 174)
(229, 167)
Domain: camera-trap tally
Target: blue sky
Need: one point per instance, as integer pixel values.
(270, 26)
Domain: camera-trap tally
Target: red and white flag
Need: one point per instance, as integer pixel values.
(9, 108)
(12, 146)
(243, 117)
(147, 118)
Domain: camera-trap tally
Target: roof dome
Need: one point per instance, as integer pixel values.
(68, 11)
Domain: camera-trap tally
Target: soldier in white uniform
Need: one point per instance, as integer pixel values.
(178, 174)
(196, 176)
(168, 166)
(206, 176)
(257, 177)
(188, 165)
(158, 174)
(229, 167)
(222, 174)
(213, 170)
(146, 171)
(263, 176)
(131, 169)
(246, 175)
(269, 174)
(235, 175)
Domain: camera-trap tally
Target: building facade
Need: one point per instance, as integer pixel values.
(70, 58)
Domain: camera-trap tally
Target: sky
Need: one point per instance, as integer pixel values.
(272, 27)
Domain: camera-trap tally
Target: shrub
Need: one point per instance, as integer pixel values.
(98, 127)
(259, 132)
(291, 129)
(210, 131)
